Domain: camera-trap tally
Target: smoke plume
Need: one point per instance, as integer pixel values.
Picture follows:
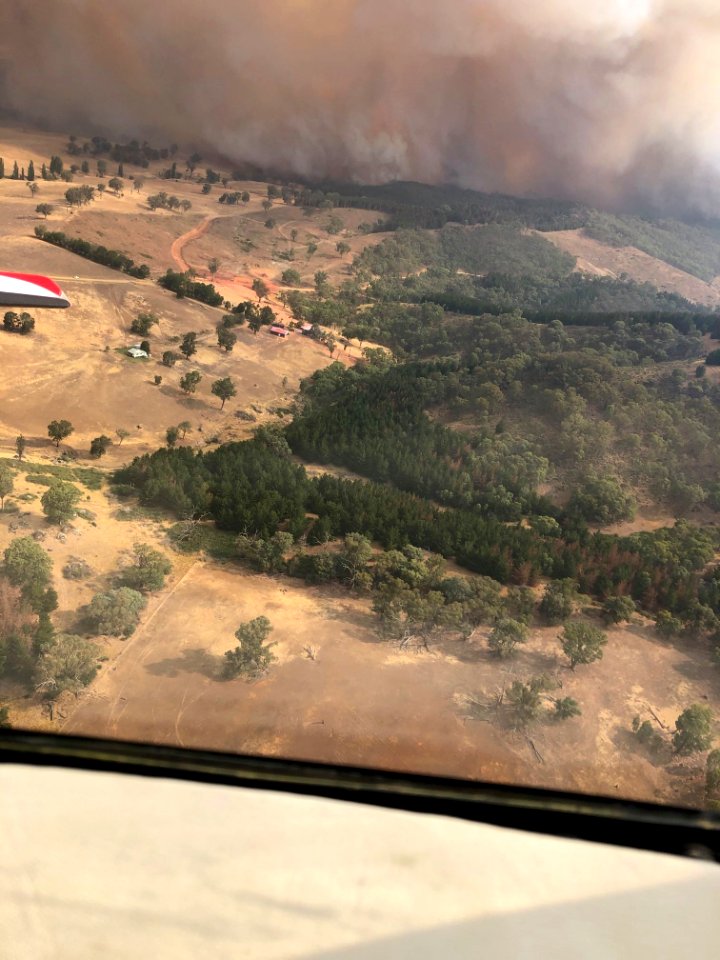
(613, 103)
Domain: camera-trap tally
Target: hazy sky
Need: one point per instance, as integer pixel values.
(616, 104)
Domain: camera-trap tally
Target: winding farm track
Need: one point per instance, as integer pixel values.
(238, 283)
(176, 250)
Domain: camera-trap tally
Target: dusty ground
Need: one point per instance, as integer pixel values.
(362, 701)
(597, 258)
(74, 368)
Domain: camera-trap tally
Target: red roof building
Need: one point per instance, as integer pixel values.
(279, 331)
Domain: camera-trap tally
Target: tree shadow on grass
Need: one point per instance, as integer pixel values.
(701, 671)
(189, 661)
(627, 743)
(335, 609)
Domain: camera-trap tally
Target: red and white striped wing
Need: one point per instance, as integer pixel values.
(30, 290)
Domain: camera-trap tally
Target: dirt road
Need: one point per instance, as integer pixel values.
(179, 245)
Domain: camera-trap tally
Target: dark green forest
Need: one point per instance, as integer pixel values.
(422, 205)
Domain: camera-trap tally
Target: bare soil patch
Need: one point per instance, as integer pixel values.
(602, 260)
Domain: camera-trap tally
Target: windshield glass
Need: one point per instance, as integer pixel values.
(361, 385)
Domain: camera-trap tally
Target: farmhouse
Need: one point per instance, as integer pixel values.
(279, 331)
(306, 329)
(136, 353)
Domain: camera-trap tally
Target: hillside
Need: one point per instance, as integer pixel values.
(608, 260)
(508, 428)
(74, 367)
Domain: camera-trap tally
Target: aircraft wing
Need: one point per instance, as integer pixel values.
(30, 290)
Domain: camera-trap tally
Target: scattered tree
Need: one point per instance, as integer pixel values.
(252, 656)
(79, 196)
(99, 446)
(188, 346)
(618, 609)
(525, 699)
(189, 383)
(267, 556)
(667, 625)
(505, 637)
(20, 445)
(122, 434)
(260, 289)
(44, 209)
(558, 602)
(354, 558)
(693, 730)
(148, 569)
(59, 430)
(566, 707)
(226, 338)
(646, 734)
(27, 566)
(223, 389)
(59, 502)
(169, 358)
(22, 323)
(582, 643)
(143, 324)
(321, 283)
(70, 663)
(116, 612)
(172, 435)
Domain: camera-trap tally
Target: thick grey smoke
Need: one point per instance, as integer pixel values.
(613, 102)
